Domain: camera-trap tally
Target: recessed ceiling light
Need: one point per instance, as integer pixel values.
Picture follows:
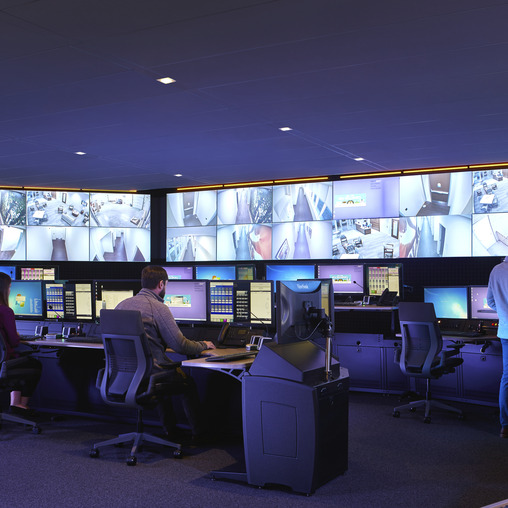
(80, 153)
(358, 159)
(284, 129)
(178, 175)
(166, 81)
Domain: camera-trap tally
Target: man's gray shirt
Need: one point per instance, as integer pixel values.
(160, 327)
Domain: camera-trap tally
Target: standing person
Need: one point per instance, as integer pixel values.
(163, 332)
(497, 299)
(25, 373)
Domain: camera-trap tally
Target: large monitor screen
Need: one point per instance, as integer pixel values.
(78, 301)
(289, 272)
(479, 308)
(346, 278)
(241, 301)
(9, 270)
(449, 302)
(179, 272)
(218, 272)
(26, 299)
(384, 276)
(187, 299)
(109, 293)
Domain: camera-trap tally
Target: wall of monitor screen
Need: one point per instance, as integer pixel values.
(268, 228)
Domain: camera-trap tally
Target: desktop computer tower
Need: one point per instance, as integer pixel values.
(295, 423)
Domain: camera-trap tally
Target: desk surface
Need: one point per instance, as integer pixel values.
(201, 362)
(65, 343)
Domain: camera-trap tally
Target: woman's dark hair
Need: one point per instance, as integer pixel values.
(152, 275)
(5, 283)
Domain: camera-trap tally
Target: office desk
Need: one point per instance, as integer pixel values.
(234, 368)
(63, 343)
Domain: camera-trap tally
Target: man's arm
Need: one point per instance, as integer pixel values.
(174, 338)
(491, 302)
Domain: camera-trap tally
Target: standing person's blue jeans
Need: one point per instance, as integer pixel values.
(503, 388)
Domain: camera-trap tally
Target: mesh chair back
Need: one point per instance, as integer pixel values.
(128, 357)
(421, 338)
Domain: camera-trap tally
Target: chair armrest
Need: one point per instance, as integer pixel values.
(158, 379)
(100, 375)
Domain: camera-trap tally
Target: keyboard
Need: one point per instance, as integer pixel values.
(231, 357)
(348, 304)
(461, 333)
(88, 339)
(28, 338)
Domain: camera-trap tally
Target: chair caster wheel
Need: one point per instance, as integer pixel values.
(177, 454)
(461, 417)
(412, 409)
(36, 430)
(132, 461)
(426, 419)
(94, 453)
(396, 414)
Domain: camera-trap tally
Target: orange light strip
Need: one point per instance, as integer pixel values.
(303, 180)
(434, 170)
(108, 190)
(11, 187)
(363, 175)
(51, 188)
(489, 165)
(200, 187)
(266, 182)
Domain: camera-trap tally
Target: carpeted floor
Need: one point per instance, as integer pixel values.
(392, 462)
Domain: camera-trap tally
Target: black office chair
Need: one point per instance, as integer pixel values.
(421, 355)
(8, 383)
(126, 380)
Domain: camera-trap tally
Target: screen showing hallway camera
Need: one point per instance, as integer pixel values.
(302, 202)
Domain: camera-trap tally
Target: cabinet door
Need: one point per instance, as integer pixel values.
(364, 365)
(481, 376)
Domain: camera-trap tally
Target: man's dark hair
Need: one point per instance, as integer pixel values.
(152, 275)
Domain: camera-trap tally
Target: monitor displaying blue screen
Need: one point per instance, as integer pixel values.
(179, 272)
(289, 272)
(25, 298)
(187, 299)
(449, 302)
(479, 307)
(9, 270)
(215, 272)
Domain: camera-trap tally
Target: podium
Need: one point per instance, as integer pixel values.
(295, 424)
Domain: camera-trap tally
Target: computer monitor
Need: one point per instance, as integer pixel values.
(9, 270)
(384, 276)
(55, 301)
(109, 293)
(179, 272)
(479, 309)
(241, 301)
(187, 299)
(245, 272)
(289, 272)
(300, 313)
(215, 272)
(346, 279)
(26, 299)
(449, 302)
(38, 273)
(78, 301)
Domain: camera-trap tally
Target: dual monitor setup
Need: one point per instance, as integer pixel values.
(461, 303)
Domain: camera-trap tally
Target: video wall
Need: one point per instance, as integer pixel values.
(49, 225)
(455, 214)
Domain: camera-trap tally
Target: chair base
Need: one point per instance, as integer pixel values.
(137, 438)
(18, 419)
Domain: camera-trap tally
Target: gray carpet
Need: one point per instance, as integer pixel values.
(392, 462)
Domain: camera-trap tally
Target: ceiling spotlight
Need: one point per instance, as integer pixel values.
(178, 175)
(285, 129)
(80, 153)
(166, 81)
(358, 159)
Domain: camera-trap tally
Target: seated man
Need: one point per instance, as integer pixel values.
(163, 332)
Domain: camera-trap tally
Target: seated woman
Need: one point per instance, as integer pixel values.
(27, 373)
